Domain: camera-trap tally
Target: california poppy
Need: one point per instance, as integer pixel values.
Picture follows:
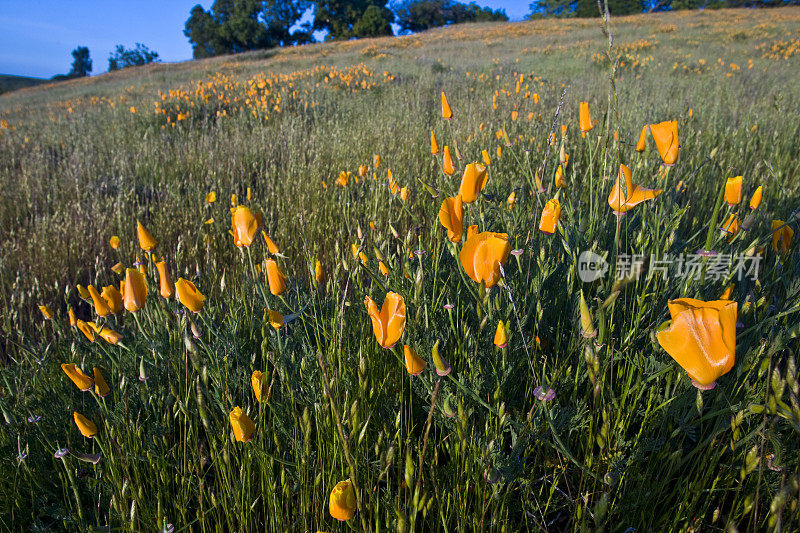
(701, 338)
(482, 255)
(275, 278)
(733, 190)
(85, 426)
(108, 334)
(621, 202)
(559, 177)
(276, 320)
(81, 380)
(189, 296)
(146, 239)
(550, 216)
(434, 144)
(257, 382)
(135, 290)
(211, 197)
(167, 289)
(245, 226)
(100, 386)
(243, 427)
(665, 135)
(118, 268)
(84, 328)
(114, 242)
(342, 503)
(446, 113)
(100, 304)
(388, 323)
(451, 215)
(473, 182)
(781, 234)
(731, 226)
(447, 162)
(585, 119)
(46, 312)
(414, 363)
(511, 200)
(319, 273)
(641, 144)
(501, 335)
(755, 200)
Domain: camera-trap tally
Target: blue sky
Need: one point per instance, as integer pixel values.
(37, 36)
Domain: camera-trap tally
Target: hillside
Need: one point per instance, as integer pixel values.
(12, 83)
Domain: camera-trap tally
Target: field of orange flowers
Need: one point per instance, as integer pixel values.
(534, 276)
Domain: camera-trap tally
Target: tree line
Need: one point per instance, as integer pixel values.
(589, 8)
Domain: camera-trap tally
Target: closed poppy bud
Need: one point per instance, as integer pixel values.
(731, 226)
(499, 151)
(118, 268)
(473, 182)
(100, 386)
(275, 319)
(249, 194)
(434, 144)
(733, 190)
(388, 323)
(85, 426)
(146, 240)
(781, 234)
(363, 258)
(211, 198)
(665, 134)
(559, 178)
(81, 380)
(585, 119)
(442, 366)
(276, 279)
(83, 293)
(72, 319)
(245, 226)
(501, 335)
(111, 295)
(483, 254)
(109, 335)
(755, 200)
(550, 216)
(271, 246)
(319, 273)
(383, 268)
(587, 322)
(701, 338)
(114, 242)
(342, 503)
(86, 330)
(166, 283)
(135, 290)
(447, 162)
(46, 311)
(257, 382)
(446, 113)
(512, 200)
(189, 296)
(414, 363)
(243, 427)
(376, 161)
(486, 159)
(621, 201)
(451, 215)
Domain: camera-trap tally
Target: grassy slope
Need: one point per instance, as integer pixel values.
(12, 83)
(76, 169)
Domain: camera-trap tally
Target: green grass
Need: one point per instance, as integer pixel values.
(626, 442)
(12, 83)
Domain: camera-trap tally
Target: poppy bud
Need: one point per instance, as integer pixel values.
(164, 279)
(500, 335)
(243, 427)
(135, 290)
(146, 240)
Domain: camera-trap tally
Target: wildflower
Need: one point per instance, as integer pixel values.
(109, 335)
(585, 119)
(621, 202)
(100, 386)
(414, 363)
(319, 273)
(85, 426)
(135, 290)
(701, 338)
(81, 380)
(730, 226)
(84, 328)
(275, 319)
(434, 144)
(388, 323)
(257, 382)
(755, 200)
(446, 113)
(550, 216)
(166, 283)
(275, 278)
(342, 503)
(243, 427)
(383, 268)
(733, 191)
(211, 198)
(100, 305)
(83, 293)
(511, 200)
(245, 226)
(343, 179)
(501, 335)
(486, 159)
(404, 193)
(447, 162)
(189, 296)
(665, 135)
(46, 311)
(781, 233)
(146, 240)
(376, 161)
(559, 177)
(118, 268)
(451, 216)
(483, 254)
(472, 230)
(71, 314)
(61, 452)
(114, 242)
(544, 394)
(473, 182)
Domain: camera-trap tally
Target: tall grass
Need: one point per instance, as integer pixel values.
(625, 442)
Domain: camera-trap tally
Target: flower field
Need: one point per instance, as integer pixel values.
(537, 276)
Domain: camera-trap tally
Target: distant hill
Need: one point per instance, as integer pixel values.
(12, 83)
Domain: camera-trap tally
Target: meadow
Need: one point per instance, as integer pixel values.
(257, 211)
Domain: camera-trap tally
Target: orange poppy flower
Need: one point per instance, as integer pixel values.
(501, 335)
(342, 503)
(434, 144)
(446, 112)
(245, 226)
(87, 428)
(473, 182)
(166, 283)
(135, 290)
(447, 162)
(388, 323)
(243, 427)
(275, 278)
(665, 134)
(621, 202)
(78, 377)
(642, 142)
(550, 216)
(100, 304)
(189, 296)
(482, 255)
(414, 363)
(781, 234)
(146, 239)
(733, 190)
(585, 118)
(755, 200)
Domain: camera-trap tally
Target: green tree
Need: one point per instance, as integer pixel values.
(342, 18)
(81, 63)
(130, 57)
